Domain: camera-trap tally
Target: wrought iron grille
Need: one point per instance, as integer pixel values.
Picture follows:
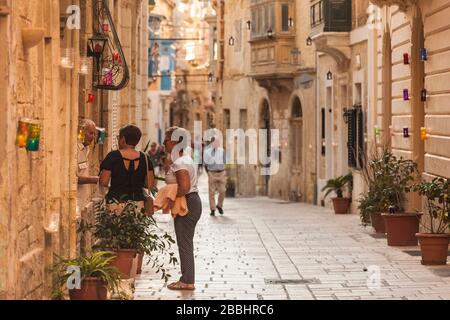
(112, 71)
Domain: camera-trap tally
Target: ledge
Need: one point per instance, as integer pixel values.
(402, 4)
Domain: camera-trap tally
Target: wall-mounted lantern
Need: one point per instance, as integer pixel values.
(405, 95)
(405, 132)
(423, 54)
(210, 77)
(406, 58)
(290, 22)
(424, 95)
(270, 33)
(329, 75)
(249, 24)
(97, 46)
(231, 41)
(309, 41)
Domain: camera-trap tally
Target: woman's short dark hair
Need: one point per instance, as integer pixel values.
(132, 135)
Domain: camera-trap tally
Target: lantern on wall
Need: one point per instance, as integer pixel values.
(101, 135)
(309, 41)
(270, 33)
(423, 133)
(290, 22)
(231, 41)
(423, 54)
(91, 98)
(97, 46)
(424, 95)
(34, 136)
(249, 24)
(406, 58)
(22, 133)
(377, 131)
(405, 95)
(405, 132)
(329, 75)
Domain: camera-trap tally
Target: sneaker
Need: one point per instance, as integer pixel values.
(220, 210)
(213, 213)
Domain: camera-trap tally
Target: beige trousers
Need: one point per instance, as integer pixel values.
(217, 182)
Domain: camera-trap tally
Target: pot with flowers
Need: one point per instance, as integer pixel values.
(435, 240)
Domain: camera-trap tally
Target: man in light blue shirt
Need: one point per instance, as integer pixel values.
(215, 158)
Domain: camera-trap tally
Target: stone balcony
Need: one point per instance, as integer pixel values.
(331, 23)
(402, 4)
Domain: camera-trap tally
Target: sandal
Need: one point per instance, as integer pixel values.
(181, 286)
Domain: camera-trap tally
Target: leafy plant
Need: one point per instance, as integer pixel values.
(337, 185)
(133, 229)
(437, 194)
(96, 265)
(389, 179)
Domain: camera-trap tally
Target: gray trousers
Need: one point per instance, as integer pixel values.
(184, 230)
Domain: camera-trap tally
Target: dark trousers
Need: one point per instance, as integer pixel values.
(184, 230)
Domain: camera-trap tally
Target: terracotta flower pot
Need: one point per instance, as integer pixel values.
(140, 260)
(434, 248)
(91, 289)
(401, 228)
(126, 262)
(341, 205)
(378, 222)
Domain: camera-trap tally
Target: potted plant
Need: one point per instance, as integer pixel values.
(395, 178)
(130, 235)
(370, 202)
(337, 186)
(434, 242)
(96, 272)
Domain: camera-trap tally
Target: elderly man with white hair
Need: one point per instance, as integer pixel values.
(84, 179)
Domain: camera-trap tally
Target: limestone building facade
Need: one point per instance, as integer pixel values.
(46, 76)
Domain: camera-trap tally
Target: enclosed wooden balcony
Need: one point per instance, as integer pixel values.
(273, 51)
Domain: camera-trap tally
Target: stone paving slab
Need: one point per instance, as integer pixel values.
(260, 240)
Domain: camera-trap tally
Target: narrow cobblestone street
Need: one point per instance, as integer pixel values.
(266, 249)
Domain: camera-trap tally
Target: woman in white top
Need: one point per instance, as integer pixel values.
(186, 175)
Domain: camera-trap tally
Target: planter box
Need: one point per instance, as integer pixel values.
(91, 289)
(401, 228)
(378, 222)
(126, 261)
(434, 248)
(341, 205)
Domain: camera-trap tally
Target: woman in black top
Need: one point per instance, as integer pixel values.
(125, 171)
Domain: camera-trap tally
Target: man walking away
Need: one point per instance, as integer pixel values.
(215, 159)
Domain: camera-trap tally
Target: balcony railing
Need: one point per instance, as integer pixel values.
(332, 15)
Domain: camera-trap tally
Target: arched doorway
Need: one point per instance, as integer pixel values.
(265, 124)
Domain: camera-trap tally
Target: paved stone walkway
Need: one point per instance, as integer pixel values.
(268, 249)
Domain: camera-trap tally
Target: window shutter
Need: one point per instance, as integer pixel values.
(351, 137)
(360, 136)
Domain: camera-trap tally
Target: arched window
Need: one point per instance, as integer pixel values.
(297, 133)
